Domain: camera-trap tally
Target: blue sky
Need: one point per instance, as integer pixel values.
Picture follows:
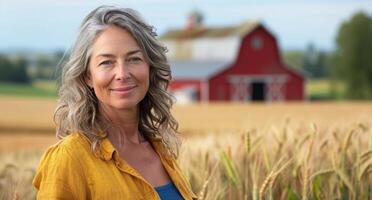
(53, 24)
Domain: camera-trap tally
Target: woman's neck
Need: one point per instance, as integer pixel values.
(123, 127)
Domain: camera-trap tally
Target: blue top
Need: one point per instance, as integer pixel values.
(168, 192)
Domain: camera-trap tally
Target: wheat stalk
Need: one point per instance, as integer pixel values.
(270, 179)
(230, 168)
(205, 184)
(265, 184)
(248, 142)
(364, 168)
(326, 171)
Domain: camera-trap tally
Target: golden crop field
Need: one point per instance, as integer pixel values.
(234, 151)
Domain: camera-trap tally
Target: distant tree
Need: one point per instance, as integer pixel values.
(353, 56)
(315, 62)
(19, 74)
(294, 59)
(44, 66)
(5, 68)
(13, 70)
(48, 66)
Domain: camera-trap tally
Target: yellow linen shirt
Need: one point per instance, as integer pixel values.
(70, 170)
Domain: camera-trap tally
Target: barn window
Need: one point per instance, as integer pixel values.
(256, 43)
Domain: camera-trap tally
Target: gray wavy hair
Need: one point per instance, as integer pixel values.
(77, 109)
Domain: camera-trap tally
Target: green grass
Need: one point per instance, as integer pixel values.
(324, 89)
(319, 89)
(36, 89)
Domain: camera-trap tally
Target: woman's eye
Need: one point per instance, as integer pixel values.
(134, 60)
(106, 62)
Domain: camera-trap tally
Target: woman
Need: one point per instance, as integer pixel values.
(119, 138)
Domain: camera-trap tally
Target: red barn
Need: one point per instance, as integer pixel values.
(239, 63)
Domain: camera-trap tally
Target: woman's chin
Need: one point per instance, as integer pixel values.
(124, 105)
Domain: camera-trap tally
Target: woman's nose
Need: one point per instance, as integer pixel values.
(122, 71)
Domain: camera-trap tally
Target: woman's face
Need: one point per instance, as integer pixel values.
(118, 71)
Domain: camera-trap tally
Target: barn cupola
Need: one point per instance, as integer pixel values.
(194, 20)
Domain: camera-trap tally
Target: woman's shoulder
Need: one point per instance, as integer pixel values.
(68, 146)
(68, 149)
(60, 168)
(72, 146)
(72, 140)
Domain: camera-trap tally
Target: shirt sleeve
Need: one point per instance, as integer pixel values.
(60, 175)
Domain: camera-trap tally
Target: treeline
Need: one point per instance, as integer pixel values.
(313, 63)
(13, 70)
(350, 62)
(353, 56)
(25, 68)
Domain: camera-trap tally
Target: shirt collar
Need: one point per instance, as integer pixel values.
(159, 147)
(108, 150)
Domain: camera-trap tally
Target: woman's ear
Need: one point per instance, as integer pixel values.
(88, 80)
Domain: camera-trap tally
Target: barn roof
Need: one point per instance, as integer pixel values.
(207, 50)
(211, 32)
(196, 69)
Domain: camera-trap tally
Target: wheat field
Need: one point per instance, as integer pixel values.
(237, 151)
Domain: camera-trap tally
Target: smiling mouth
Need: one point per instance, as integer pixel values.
(124, 90)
